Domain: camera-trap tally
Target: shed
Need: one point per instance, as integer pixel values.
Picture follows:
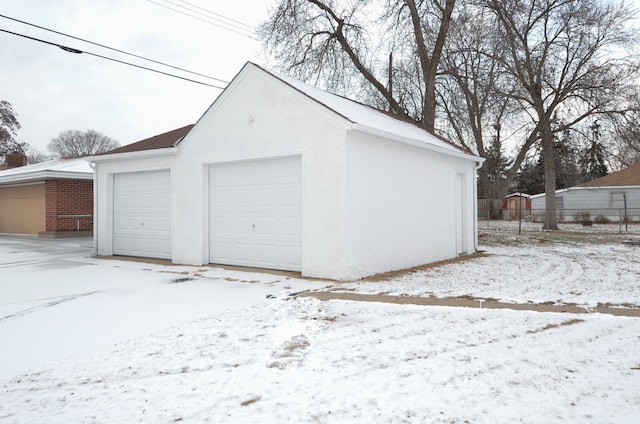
(516, 205)
(607, 197)
(282, 175)
(49, 199)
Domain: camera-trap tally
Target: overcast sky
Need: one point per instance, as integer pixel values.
(52, 90)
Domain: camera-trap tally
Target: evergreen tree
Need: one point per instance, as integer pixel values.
(531, 177)
(592, 164)
(494, 168)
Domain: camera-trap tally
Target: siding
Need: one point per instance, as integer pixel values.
(596, 200)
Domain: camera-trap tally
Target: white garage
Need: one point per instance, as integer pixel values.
(142, 214)
(278, 174)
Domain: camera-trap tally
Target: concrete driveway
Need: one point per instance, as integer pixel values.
(57, 301)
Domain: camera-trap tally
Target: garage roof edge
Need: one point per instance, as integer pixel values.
(418, 143)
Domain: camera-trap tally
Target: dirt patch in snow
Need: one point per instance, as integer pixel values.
(393, 274)
(469, 302)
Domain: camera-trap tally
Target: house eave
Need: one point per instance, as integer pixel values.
(564, 190)
(42, 176)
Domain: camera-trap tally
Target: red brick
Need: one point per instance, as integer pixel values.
(69, 197)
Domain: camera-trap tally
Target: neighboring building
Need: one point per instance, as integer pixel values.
(516, 206)
(606, 196)
(278, 174)
(49, 199)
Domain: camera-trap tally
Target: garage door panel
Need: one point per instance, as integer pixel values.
(256, 213)
(142, 214)
(22, 209)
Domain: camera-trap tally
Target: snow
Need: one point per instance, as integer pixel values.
(234, 346)
(62, 168)
(59, 165)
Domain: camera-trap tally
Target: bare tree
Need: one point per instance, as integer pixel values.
(339, 43)
(560, 55)
(35, 155)
(471, 100)
(75, 144)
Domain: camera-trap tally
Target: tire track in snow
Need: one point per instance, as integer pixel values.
(46, 305)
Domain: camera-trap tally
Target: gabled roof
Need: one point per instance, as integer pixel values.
(63, 168)
(366, 118)
(627, 177)
(517, 194)
(363, 118)
(160, 141)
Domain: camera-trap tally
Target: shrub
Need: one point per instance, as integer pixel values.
(601, 219)
(581, 216)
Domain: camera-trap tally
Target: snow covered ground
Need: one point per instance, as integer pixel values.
(208, 349)
(580, 267)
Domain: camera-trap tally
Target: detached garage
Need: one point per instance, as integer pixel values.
(279, 174)
(48, 199)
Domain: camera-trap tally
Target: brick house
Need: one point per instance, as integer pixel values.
(49, 199)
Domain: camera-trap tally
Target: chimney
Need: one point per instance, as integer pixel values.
(15, 160)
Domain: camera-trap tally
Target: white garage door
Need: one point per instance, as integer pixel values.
(142, 214)
(256, 213)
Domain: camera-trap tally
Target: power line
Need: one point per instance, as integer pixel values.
(231, 22)
(245, 33)
(77, 51)
(113, 49)
(218, 14)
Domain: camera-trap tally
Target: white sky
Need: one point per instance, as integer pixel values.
(53, 91)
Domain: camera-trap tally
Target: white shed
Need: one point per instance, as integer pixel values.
(279, 174)
(613, 196)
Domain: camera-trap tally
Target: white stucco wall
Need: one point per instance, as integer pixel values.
(103, 194)
(402, 205)
(261, 118)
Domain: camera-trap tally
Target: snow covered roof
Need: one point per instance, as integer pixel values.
(369, 119)
(517, 194)
(78, 169)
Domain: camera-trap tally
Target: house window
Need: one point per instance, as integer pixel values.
(559, 202)
(617, 200)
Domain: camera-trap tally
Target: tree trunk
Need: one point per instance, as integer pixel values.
(546, 135)
(429, 105)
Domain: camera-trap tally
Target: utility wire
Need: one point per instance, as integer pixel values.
(77, 51)
(245, 33)
(217, 14)
(113, 49)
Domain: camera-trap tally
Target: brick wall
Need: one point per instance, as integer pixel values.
(69, 197)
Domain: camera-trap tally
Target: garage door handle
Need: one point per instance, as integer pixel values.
(142, 224)
(253, 225)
